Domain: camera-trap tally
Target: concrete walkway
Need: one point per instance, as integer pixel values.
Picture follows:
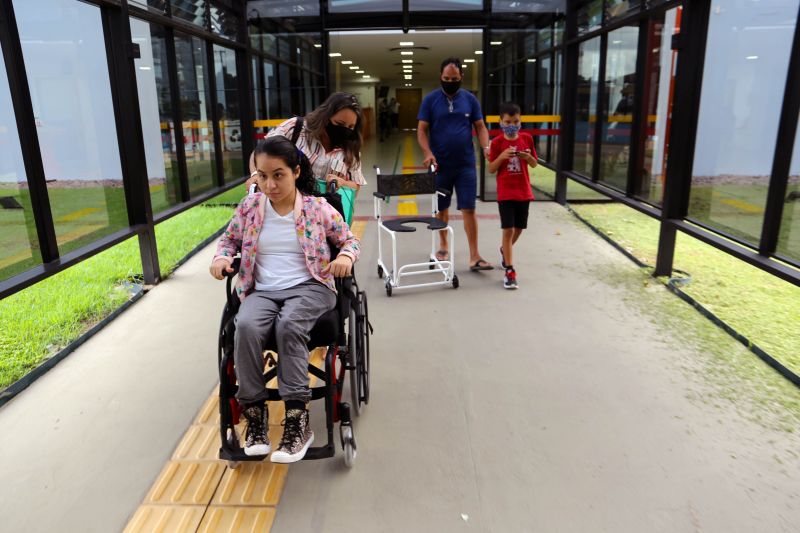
(558, 407)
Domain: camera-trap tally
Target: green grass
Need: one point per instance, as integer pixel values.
(762, 307)
(42, 319)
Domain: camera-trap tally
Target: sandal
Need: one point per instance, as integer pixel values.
(480, 264)
(442, 255)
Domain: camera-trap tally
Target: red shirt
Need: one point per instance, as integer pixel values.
(513, 182)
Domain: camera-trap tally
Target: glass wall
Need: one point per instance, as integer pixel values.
(155, 107)
(228, 113)
(617, 106)
(68, 76)
(789, 237)
(445, 5)
(748, 42)
(587, 86)
(198, 137)
(19, 245)
(362, 6)
(193, 11)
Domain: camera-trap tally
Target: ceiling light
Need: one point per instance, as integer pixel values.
(406, 53)
(752, 57)
(464, 66)
(469, 61)
(478, 52)
(408, 85)
(359, 72)
(335, 54)
(347, 62)
(145, 68)
(365, 76)
(408, 76)
(317, 45)
(496, 43)
(406, 60)
(353, 67)
(532, 60)
(406, 43)
(615, 42)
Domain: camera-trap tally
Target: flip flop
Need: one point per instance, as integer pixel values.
(480, 264)
(442, 255)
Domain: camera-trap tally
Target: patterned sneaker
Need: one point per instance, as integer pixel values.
(502, 259)
(510, 279)
(256, 440)
(297, 437)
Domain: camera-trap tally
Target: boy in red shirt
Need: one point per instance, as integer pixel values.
(510, 155)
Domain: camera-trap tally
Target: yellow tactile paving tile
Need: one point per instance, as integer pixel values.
(252, 484)
(237, 520)
(200, 443)
(186, 482)
(166, 519)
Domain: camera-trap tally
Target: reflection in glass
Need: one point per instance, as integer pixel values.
(155, 108)
(445, 5)
(544, 104)
(67, 69)
(748, 42)
(588, 72)
(19, 244)
(620, 8)
(258, 91)
(362, 6)
(273, 93)
(556, 137)
(198, 136)
(789, 236)
(658, 82)
(529, 6)
(224, 22)
(155, 5)
(228, 113)
(617, 112)
(590, 16)
(282, 8)
(193, 11)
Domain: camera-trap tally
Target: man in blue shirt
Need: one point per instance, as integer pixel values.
(446, 118)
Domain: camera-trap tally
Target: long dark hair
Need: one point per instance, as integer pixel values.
(321, 117)
(281, 147)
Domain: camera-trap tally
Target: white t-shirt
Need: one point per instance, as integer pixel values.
(280, 262)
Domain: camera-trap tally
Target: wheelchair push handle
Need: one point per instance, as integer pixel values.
(237, 262)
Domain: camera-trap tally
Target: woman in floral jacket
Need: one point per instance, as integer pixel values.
(285, 284)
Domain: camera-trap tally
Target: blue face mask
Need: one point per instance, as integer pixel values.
(511, 130)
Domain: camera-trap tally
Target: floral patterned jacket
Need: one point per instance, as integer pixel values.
(315, 221)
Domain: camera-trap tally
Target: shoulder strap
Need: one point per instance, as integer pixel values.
(298, 127)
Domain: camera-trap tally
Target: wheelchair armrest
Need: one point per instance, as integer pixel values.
(379, 195)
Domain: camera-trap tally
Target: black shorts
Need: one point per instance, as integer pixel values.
(513, 213)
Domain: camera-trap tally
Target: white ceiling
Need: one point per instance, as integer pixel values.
(371, 50)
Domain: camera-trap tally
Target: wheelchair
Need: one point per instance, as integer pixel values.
(344, 331)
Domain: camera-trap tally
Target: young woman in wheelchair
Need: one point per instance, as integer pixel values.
(286, 282)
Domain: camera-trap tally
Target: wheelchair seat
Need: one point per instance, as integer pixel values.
(399, 224)
(325, 332)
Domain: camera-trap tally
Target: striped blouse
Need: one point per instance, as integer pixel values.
(321, 161)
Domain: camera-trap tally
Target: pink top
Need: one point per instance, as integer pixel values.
(315, 221)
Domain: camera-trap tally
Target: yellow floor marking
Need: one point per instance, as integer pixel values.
(197, 492)
(742, 205)
(358, 227)
(80, 213)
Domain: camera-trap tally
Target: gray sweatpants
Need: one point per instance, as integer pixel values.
(291, 313)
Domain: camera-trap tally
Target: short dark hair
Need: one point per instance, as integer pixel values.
(451, 61)
(510, 109)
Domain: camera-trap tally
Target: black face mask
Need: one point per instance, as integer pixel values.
(339, 135)
(451, 87)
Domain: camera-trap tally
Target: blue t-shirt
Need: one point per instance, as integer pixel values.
(451, 128)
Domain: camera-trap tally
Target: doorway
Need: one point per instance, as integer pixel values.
(409, 100)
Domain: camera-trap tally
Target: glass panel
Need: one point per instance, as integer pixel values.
(528, 6)
(67, 69)
(230, 124)
(255, 36)
(748, 42)
(155, 108)
(285, 91)
(273, 93)
(257, 91)
(545, 38)
(588, 72)
(558, 31)
(590, 16)
(445, 5)
(544, 104)
(153, 5)
(198, 135)
(617, 109)
(619, 8)
(193, 11)
(19, 244)
(225, 22)
(282, 8)
(789, 237)
(360, 6)
(658, 81)
(556, 137)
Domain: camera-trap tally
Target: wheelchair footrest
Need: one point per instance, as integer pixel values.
(319, 452)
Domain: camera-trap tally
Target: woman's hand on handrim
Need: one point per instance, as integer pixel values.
(340, 267)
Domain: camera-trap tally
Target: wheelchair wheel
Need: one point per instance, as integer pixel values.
(389, 288)
(455, 281)
(352, 358)
(348, 446)
(380, 271)
(233, 442)
(362, 347)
